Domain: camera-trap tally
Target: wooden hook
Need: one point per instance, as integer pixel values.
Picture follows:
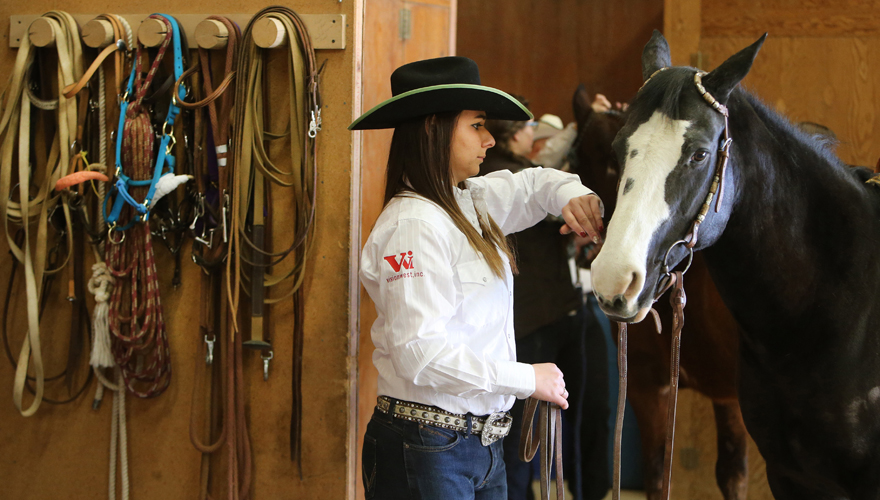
(41, 33)
(212, 34)
(269, 33)
(151, 32)
(97, 33)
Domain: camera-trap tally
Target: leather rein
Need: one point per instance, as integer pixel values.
(549, 439)
(672, 280)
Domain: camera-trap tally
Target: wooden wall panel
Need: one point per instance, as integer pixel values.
(63, 451)
(815, 18)
(544, 49)
(681, 21)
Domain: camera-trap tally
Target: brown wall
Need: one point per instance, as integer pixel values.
(63, 451)
(543, 49)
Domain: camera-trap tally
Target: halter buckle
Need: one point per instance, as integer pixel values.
(110, 230)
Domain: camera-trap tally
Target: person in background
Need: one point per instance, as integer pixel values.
(440, 271)
(549, 313)
(553, 142)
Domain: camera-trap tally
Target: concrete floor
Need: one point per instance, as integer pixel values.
(624, 494)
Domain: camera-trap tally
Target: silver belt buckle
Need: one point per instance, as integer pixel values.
(491, 431)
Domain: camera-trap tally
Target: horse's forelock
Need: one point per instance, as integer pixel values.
(663, 93)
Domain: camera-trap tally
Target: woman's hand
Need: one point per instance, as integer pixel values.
(549, 384)
(583, 215)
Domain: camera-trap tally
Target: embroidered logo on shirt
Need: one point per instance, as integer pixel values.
(406, 261)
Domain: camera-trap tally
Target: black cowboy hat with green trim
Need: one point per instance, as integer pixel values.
(436, 86)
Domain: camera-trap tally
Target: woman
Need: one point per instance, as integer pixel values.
(438, 267)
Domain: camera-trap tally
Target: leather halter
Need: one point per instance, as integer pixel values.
(672, 280)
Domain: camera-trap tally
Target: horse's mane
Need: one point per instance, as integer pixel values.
(782, 129)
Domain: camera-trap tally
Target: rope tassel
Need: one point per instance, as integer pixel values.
(100, 285)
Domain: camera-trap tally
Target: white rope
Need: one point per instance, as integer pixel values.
(118, 440)
(100, 285)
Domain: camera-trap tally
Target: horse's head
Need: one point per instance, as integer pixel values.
(596, 162)
(669, 149)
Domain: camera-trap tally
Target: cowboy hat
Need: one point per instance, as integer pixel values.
(548, 126)
(435, 86)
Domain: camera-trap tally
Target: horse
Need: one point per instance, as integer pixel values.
(789, 235)
(710, 336)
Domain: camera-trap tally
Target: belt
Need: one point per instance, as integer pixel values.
(490, 428)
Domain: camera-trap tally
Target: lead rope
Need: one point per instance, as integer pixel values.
(15, 129)
(141, 350)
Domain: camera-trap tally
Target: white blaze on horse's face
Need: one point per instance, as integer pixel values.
(618, 273)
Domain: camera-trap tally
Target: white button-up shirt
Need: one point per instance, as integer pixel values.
(444, 332)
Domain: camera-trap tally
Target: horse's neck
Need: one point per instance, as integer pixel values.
(797, 232)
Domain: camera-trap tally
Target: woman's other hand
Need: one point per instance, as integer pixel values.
(549, 384)
(583, 216)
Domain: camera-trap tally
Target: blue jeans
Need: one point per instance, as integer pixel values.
(408, 460)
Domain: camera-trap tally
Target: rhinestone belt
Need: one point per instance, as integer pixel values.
(490, 429)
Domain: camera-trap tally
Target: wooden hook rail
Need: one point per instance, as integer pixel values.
(327, 30)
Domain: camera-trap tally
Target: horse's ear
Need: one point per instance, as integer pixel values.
(580, 103)
(655, 56)
(723, 79)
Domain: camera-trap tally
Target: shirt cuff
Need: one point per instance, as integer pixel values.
(569, 191)
(515, 378)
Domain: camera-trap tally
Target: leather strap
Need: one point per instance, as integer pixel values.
(257, 177)
(677, 299)
(621, 406)
(15, 130)
(549, 440)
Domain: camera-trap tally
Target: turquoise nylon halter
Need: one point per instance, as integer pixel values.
(124, 182)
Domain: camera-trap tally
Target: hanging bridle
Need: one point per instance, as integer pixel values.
(672, 280)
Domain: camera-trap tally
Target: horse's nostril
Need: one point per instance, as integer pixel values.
(617, 303)
(635, 286)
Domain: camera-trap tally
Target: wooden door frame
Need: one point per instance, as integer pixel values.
(682, 24)
(354, 283)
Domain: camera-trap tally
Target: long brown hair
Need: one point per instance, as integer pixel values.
(419, 164)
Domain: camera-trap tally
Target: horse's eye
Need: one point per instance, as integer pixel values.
(699, 156)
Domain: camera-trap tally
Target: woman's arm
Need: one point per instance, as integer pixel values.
(518, 201)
